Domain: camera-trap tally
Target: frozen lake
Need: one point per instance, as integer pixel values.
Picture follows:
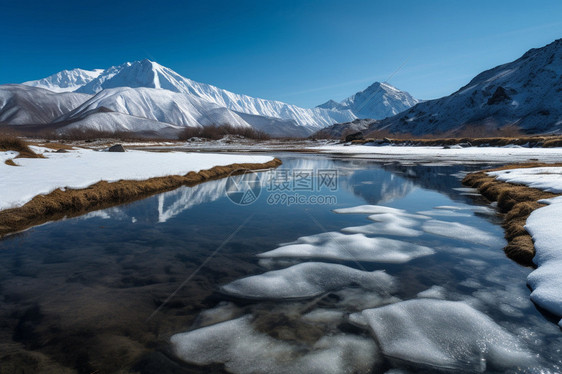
(340, 265)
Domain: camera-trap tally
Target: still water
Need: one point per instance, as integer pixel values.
(109, 291)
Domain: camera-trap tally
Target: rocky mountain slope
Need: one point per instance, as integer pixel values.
(525, 93)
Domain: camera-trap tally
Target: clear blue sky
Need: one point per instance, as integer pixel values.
(301, 52)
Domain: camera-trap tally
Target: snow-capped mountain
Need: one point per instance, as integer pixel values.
(158, 105)
(378, 101)
(526, 93)
(25, 105)
(66, 80)
(150, 74)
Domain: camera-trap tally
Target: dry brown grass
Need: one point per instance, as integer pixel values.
(70, 203)
(218, 132)
(545, 141)
(10, 162)
(55, 146)
(517, 202)
(12, 143)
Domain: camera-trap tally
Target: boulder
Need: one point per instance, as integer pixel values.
(116, 148)
(354, 136)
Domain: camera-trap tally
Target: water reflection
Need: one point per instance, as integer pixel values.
(76, 295)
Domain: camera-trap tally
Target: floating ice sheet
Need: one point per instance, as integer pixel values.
(390, 224)
(368, 209)
(444, 334)
(306, 280)
(242, 349)
(356, 247)
(461, 231)
(435, 292)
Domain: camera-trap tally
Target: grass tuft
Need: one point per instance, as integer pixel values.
(12, 143)
(517, 202)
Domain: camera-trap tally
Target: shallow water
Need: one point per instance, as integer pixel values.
(107, 291)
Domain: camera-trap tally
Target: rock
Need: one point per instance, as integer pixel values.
(61, 151)
(499, 96)
(354, 136)
(116, 148)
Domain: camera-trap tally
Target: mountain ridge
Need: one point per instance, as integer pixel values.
(525, 93)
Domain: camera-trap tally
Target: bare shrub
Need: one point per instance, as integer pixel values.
(215, 132)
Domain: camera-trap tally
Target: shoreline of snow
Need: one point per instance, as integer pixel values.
(426, 153)
(82, 168)
(545, 281)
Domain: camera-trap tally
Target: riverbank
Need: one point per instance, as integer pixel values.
(531, 197)
(517, 202)
(58, 185)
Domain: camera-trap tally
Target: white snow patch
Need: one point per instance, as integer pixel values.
(544, 226)
(83, 168)
(4, 156)
(468, 154)
(544, 178)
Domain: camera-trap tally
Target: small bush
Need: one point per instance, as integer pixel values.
(12, 143)
(215, 132)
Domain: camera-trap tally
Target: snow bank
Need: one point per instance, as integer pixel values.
(544, 226)
(306, 280)
(459, 231)
(444, 334)
(546, 281)
(469, 154)
(83, 168)
(356, 247)
(242, 349)
(544, 178)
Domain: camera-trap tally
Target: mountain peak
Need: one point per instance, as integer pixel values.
(378, 101)
(66, 80)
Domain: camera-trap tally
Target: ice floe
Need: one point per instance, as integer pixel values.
(368, 209)
(435, 292)
(242, 349)
(456, 230)
(306, 280)
(389, 224)
(356, 247)
(445, 335)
